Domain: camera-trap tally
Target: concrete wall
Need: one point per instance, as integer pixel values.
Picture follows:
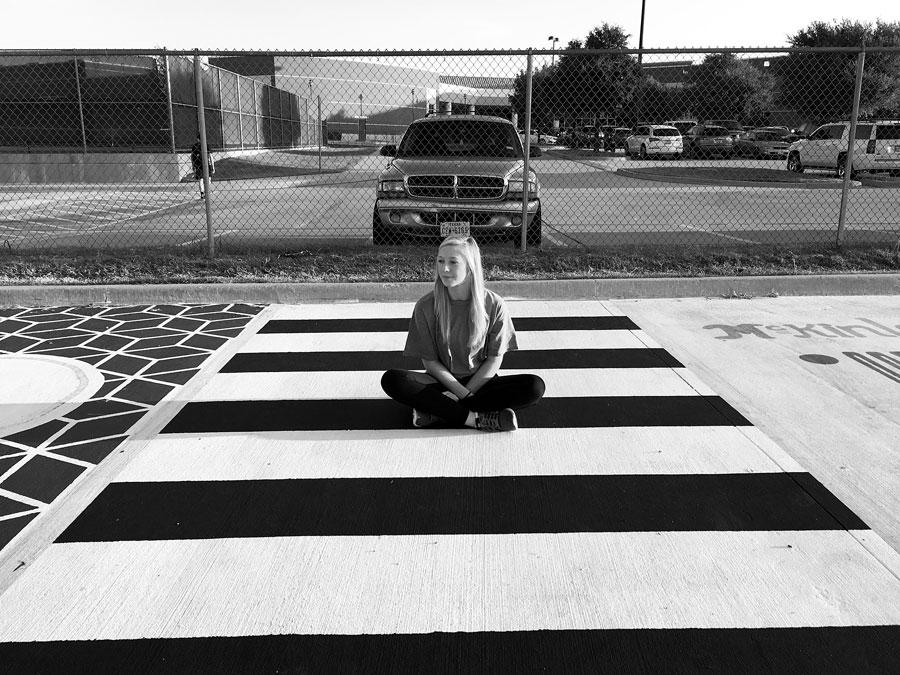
(97, 167)
(102, 167)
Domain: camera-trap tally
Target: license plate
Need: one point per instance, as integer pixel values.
(454, 227)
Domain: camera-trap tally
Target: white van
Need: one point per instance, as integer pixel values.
(876, 148)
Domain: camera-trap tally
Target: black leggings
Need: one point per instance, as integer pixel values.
(424, 393)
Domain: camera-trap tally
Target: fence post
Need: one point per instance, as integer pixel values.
(80, 108)
(851, 143)
(240, 113)
(319, 128)
(527, 144)
(165, 61)
(204, 153)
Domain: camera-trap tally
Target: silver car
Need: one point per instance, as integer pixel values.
(704, 140)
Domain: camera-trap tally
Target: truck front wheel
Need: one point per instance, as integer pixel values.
(380, 236)
(533, 235)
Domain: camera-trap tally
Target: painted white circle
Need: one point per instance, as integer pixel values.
(35, 389)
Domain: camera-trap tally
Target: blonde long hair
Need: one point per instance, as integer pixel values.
(478, 318)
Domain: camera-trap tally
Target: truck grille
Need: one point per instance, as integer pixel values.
(455, 187)
(474, 219)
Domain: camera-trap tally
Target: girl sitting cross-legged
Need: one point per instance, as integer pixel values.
(461, 331)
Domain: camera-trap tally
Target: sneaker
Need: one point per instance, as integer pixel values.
(501, 420)
(423, 420)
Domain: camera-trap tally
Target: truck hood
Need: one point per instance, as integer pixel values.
(455, 165)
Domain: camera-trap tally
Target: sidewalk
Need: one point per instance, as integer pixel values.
(696, 491)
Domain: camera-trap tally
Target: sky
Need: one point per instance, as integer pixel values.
(411, 24)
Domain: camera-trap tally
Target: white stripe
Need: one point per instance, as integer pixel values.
(419, 453)
(422, 584)
(342, 384)
(384, 341)
(394, 310)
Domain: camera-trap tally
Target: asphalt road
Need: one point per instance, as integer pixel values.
(584, 202)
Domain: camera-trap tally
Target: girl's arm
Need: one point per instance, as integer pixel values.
(485, 372)
(439, 372)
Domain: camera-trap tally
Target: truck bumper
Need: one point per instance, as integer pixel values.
(423, 219)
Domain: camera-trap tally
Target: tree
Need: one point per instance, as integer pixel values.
(655, 101)
(820, 85)
(726, 87)
(582, 85)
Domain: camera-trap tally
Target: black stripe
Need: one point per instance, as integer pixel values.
(280, 362)
(364, 414)
(453, 505)
(844, 649)
(402, 325)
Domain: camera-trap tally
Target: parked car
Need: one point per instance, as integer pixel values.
(537, 137)
(876, 148)
(683, 126)
(455, 174)
(532, 139)
(786, 134)
(760, 144)
(581, 137)
(734, 127)
(704, 140)
(614, 137)
(566, 137)
(654, 139)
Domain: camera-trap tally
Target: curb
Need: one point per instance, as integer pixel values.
(572, 289)
(724, 182)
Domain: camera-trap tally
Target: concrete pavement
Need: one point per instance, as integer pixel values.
(679, 499)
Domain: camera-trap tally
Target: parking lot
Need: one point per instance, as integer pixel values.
(588, 199)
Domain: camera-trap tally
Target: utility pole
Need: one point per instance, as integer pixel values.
(553, 42)
(641, 35)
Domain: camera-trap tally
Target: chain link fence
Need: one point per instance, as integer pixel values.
(550, 148)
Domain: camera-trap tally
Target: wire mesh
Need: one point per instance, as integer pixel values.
(664, 148)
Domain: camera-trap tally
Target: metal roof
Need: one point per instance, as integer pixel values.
(476, 82)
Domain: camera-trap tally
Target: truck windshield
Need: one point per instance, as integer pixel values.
(460, 138)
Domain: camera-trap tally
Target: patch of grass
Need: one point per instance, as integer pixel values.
(404, 264)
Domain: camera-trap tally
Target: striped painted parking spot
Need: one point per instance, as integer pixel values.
(290, 518)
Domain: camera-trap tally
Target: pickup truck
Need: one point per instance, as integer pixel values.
(453, 174)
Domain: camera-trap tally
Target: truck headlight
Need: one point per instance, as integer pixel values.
(390, 188)
(517, 188)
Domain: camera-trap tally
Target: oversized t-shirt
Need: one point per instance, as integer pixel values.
(425, 341)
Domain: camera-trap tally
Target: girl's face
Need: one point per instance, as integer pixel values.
(451, 267)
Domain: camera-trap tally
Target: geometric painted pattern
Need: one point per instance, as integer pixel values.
(289, 518)
(143, 352)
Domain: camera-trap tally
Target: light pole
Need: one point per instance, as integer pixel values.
(360, 105)
(553, 47)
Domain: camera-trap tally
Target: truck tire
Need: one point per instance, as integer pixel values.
(380, 235)
(794, 165)
(533, 235)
